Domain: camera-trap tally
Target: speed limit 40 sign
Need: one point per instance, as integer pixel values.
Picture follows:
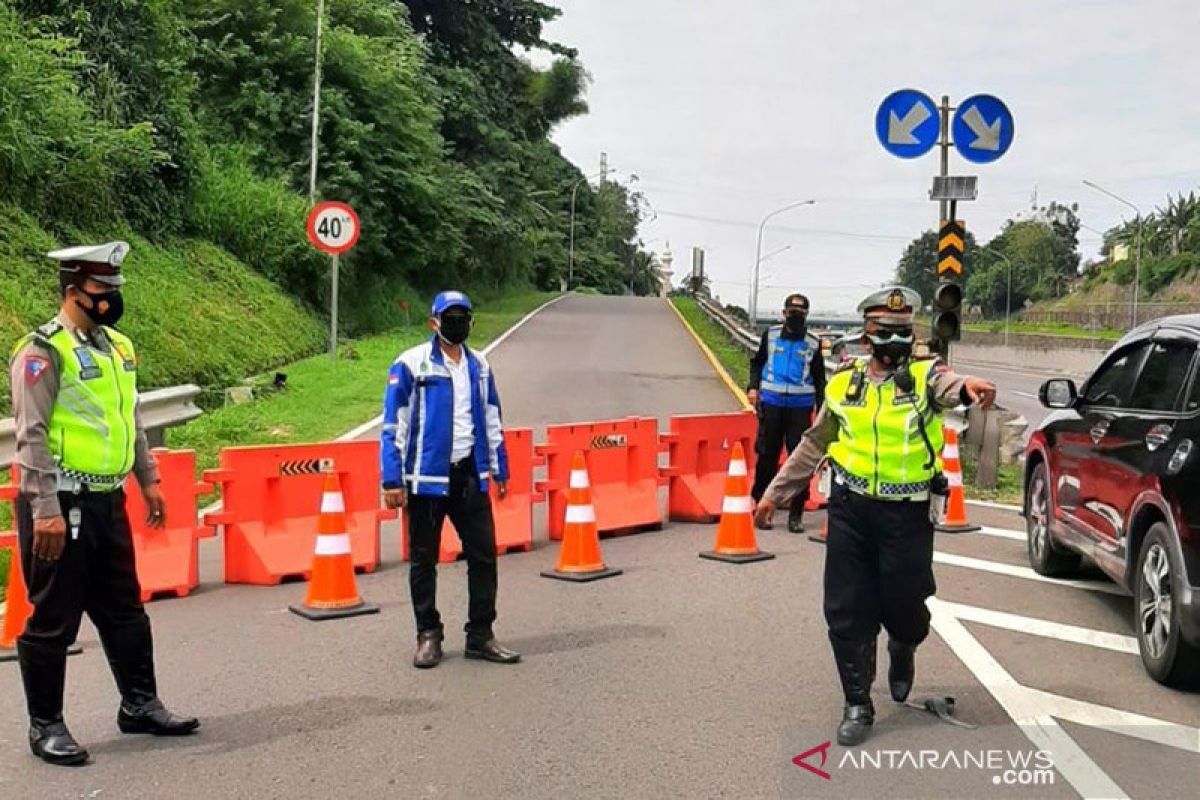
(333, 227)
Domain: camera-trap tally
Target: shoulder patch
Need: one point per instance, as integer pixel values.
(35, 367)
(50, 328)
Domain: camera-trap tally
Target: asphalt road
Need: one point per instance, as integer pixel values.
(1017, 385)
(681, 678)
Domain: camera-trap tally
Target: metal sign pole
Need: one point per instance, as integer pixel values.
(944, 144)
(333, 314)
(316, 113)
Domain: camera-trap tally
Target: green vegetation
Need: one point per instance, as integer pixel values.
(185, 128)
(5, 561)
(732, 356)
(1047, 329)
(326, 398)
(1009, 484)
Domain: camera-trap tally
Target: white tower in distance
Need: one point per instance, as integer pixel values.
(665, 271)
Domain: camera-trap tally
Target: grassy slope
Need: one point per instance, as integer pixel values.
(732, 356)
(220, 320)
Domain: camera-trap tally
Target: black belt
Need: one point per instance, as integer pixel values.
(464, 465)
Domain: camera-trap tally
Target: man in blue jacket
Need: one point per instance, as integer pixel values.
(787, 385)
(441, 445)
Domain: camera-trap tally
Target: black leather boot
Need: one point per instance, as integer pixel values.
(856, 668)
(429, 649)
(44, 674)
(130, 652)
(901, 669)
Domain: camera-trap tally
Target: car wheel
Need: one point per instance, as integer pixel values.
(1044, 555)
(1167, 657)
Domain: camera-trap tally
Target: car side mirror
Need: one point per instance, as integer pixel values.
(1058, 393)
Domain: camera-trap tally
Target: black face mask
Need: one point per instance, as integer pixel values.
(794, 323)
(454, 329)
(112, 303)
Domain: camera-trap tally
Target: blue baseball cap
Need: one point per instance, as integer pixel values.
(447, 300)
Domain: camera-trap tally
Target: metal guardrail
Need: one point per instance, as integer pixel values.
(159, 409)
(736, 332)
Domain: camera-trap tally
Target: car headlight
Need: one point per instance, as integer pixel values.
(1180, 457)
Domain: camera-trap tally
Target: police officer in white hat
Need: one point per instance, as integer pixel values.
(881, 428)
(74, 393)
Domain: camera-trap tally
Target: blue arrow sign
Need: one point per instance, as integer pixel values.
(907, 123)
(982, 129)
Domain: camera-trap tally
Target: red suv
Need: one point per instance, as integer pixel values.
(1111, 476)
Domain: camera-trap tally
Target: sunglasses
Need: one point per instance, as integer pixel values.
(895, 336)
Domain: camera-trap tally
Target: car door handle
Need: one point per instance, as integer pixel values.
(1158, 436)
(1098, 431)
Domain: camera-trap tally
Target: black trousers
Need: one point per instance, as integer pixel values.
(778, 427)
(96, 574)
(878, 568)
(471, 512)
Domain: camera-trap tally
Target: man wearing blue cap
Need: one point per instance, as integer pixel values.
(442, 443)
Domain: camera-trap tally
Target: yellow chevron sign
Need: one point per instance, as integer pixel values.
(951, 243)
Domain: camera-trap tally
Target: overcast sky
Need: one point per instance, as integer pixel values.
(728, 109)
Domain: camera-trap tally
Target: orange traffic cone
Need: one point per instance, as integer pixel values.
(955, 518)
(816, 500)
(579, 558)
(735, 533)
(823, 536)
(332, 592)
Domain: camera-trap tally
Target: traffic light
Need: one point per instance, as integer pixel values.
(947, 298)
(947, 311)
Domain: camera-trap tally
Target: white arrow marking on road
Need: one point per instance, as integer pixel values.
(987, 137)
(900, 131)
(1025, 573)
(1045, 628)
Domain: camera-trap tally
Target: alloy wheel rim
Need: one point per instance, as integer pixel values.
(1155, 606)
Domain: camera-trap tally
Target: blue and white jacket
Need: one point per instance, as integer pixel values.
(418, 422)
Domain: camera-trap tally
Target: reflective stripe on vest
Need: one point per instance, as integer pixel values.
(879, 448)
(788, 368)
(92, 430)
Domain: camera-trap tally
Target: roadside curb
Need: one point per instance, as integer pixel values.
(716, 364)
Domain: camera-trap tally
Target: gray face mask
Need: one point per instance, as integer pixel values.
(893, 350)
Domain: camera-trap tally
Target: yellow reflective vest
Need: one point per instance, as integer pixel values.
(879, 450)
(92, 431)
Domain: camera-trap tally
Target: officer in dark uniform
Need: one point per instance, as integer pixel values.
(881, 428)
(787, 386)
(74, 392)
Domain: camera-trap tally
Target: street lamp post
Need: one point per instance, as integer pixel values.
(574, 190)
(1137, 268)
(753, 304)
(1008, 292)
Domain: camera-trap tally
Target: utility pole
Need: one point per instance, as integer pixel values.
(603, 168)
(316, 108)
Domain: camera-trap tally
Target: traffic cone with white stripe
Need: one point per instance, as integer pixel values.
(735, 533)
(332, 591)
(954, 520)
(579, 556)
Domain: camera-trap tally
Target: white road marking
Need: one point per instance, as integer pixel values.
(997, 506)
(1025, 573)
(1002, 533)
(1062, 632)
(1030, 395)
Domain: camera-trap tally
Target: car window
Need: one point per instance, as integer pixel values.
(1162, 377)
(1193, 403)
(1112, 383)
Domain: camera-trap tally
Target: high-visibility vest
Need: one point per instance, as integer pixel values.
(787, 378)
(879, 451)
(92, 431)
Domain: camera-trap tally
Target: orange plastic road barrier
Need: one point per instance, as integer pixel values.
(955, 518)
(513, 514)
(699, 446)
(168, 557)
(579, 556)
(268, 516)
(735, 533)
(623, 464)
(332, 591)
